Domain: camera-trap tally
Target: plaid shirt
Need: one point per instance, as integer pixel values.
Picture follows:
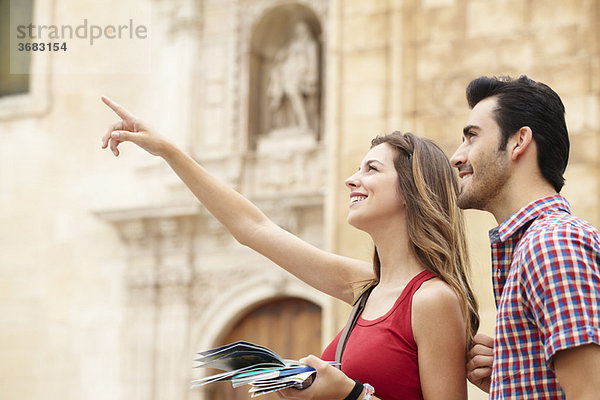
(546, 274)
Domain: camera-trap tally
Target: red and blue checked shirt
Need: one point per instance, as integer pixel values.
(546, 275)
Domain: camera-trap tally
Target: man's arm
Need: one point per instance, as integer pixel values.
(578, 371)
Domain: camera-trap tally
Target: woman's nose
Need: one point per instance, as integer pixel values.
(351, 182)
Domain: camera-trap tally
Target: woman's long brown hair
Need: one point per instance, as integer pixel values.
(436, 227)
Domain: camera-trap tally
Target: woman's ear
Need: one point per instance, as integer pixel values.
(520, 142)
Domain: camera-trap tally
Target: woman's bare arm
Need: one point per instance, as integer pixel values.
(439, 331)
(327, 272)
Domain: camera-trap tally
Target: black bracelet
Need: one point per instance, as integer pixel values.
(356, 391)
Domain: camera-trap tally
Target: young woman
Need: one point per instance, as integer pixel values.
(410, 341)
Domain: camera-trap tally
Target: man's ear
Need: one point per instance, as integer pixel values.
(520, 142)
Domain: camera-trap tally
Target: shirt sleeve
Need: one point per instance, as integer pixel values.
(564, 288)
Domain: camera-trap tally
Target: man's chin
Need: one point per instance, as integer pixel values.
(466, 201)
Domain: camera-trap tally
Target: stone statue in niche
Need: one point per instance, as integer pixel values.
(294, 81)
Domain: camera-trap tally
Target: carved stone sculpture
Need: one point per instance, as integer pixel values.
(293, 79)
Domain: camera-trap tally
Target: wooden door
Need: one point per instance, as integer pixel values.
(290, 326)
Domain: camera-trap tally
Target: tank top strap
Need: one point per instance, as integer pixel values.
(416, 282)
(404, 301)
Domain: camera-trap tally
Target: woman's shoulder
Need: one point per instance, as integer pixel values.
(435, 299)
(437, 315)
(435, 290)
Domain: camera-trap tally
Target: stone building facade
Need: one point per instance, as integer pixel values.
(112, 276)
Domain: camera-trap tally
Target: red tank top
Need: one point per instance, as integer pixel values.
(383, 352)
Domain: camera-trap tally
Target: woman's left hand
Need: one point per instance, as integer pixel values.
(330, 383)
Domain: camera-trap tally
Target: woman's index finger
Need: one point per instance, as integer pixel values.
(118, 109)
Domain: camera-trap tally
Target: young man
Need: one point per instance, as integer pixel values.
(545, 261)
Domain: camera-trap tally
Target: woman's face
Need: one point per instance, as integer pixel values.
(375, 199)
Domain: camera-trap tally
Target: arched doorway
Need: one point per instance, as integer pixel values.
(289, 326)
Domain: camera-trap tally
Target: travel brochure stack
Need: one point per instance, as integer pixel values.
(245, 363)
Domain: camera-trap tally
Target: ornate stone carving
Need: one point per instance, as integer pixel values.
(279, 51)
(293, 79)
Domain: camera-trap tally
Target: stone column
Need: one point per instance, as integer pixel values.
(157, 361)
(173, 361)
(139, 332)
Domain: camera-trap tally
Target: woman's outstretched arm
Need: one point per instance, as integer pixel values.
(327, 272)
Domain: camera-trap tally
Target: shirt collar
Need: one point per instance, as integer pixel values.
(526, 214)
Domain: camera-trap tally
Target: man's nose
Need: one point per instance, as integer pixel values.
(459, 157)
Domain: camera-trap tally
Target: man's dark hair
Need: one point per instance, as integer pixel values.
(525, 102)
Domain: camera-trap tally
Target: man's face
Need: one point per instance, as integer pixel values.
(483, 167)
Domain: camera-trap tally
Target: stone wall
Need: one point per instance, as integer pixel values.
(96, 250)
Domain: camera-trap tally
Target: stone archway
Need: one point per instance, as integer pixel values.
(290, 326)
